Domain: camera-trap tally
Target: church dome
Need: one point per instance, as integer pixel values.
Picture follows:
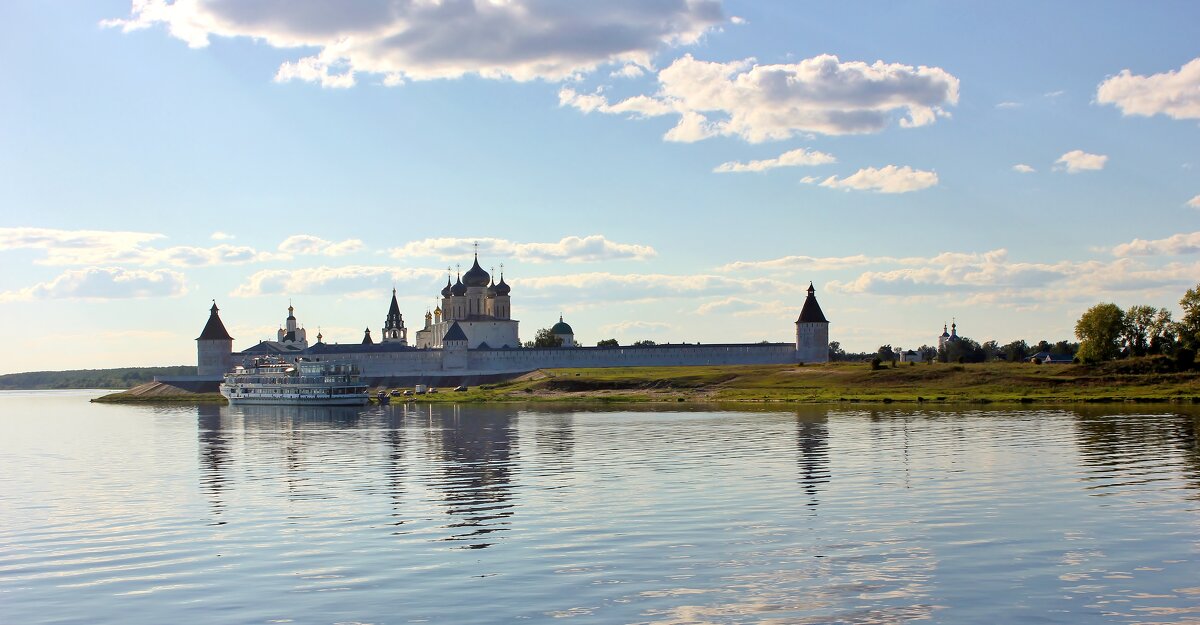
(459, 289)
(476, 276)
(561, 327)
(502, 287)
(446, 289)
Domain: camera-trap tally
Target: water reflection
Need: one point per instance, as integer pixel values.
(812, 444)
(477, 459)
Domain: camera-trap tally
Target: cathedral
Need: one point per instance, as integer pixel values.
(471, 337)
(479, 305)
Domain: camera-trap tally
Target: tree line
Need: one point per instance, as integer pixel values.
(1106, 332)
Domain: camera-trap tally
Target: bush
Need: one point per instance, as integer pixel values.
(875, 364)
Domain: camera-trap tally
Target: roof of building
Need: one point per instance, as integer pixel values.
(561, 327)
(455, 333)
(214, 330)
(367, 340)
(811, 312)
(502, 287)
(476, 276)
(323, 349)
(394, 309)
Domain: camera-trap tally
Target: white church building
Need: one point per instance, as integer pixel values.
(471, 337)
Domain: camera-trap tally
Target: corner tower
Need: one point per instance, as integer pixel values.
(812, 331)
(214, 346)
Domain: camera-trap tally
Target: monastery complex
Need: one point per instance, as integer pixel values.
(471, 337)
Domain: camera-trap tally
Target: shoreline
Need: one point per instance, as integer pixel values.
(1141, 381)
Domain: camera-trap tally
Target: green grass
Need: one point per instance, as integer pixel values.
(838, 382)
(182, 398)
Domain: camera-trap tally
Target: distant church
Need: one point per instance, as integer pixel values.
(470, 337)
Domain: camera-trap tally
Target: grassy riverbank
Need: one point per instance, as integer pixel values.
(848, 382)
(1145, 380)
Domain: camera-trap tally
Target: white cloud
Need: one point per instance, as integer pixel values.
(221, 236)
(423, 40)
(811, 263)
(889, 179)
(307, 244)
(609, 287)
(738, 20)
(351, 279)
(1175, 94)
(793, 158)
(745, 307)
(1183, 243)
(570, 249)
(104, 283)
(1009, 105)
(767, 102)
(635, 327)
(1076, 161)
(628, 71)
(1194, 202)
(99, 247)
(1022, 168)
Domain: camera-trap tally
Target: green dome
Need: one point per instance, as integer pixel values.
(561, 327)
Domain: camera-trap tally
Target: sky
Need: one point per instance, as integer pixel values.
(673, 170)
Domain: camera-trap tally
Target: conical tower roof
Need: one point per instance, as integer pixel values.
(811, 312)
(214, 330)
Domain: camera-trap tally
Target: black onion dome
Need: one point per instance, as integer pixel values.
(459, 289)
(491, 290)
(446, 289)
(502, 287)
(476, 276)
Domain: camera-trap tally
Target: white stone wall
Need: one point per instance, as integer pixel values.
(214, 357)
(812, 342)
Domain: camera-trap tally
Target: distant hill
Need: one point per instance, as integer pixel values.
(127, 377)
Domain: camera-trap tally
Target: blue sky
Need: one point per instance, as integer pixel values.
(669, 170)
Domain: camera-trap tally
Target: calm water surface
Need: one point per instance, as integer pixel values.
(119, 514)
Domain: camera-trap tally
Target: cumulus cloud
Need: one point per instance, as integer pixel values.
(333, 280)
(1175, 93)
(793, 158)
(635, 327)
(1076, 161)
(993, 279)
(643, 286)
(1184, 243)
(100, 247)
(221, 236)
(1022, 168)
(309, 245)
(1194, 202)
(570, 249)
(104, 283)
(812, 263)
(758, 103)
(889, 179)
(404, 40)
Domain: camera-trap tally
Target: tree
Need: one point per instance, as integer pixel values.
(1098, 331)
(928, 353)
(1162, 333)
(1017, 351)
(886, 353)
(962, 350)
(644, 343)
(608, 343)
(545, 338)
(1135, 329)
(1188, 327)
(991, 349)
(836, 352)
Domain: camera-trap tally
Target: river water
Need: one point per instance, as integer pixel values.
(501, 514)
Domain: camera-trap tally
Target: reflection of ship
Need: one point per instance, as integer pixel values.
(275, 381)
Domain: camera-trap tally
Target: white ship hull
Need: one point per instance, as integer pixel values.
(279, 383)
(285, 400)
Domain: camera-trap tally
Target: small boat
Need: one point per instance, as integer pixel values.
(312, 383)
(382, 398)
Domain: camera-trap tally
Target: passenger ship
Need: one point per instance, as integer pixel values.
(275, 381)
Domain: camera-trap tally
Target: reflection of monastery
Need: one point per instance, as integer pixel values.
(472, 336)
